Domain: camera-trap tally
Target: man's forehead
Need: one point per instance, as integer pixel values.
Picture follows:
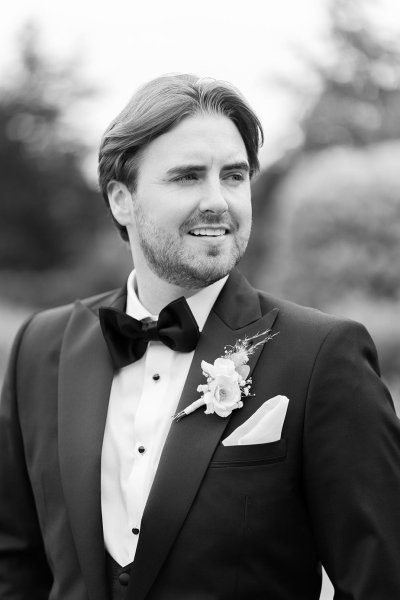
(201, 152)
(200, 140)
(199, 156)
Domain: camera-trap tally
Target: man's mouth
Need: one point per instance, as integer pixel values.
(208, 231)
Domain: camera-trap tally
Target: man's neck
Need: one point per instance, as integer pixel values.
(154, 293)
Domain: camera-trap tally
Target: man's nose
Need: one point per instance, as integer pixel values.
(213, 198)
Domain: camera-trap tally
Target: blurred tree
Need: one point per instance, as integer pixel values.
(360, 99)
(358, 106)
(340, 226)
(345, 202)
(48, 211)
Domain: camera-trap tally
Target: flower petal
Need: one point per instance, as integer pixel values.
(243, 371)
(224, 366)
(207, 368)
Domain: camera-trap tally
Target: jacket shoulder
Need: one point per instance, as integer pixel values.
(296, 315)
(51, 323)
(311, 330)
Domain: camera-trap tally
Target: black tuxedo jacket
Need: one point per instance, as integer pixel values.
(221, 523)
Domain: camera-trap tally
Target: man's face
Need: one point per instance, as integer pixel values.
(191, 210)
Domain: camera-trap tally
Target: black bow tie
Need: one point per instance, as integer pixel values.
(127, 338)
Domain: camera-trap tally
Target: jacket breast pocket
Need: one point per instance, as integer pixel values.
(249, 455)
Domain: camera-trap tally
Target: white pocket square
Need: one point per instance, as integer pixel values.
(264, 426)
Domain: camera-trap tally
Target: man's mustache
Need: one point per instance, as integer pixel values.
(203, 219)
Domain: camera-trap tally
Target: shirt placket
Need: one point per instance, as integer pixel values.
(150, 417)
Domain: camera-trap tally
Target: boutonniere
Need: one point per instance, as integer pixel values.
(227, 379)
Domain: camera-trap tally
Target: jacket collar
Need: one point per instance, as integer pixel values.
(85, 379)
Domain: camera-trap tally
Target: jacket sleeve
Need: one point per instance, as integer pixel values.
(24, 571)
(352, 467)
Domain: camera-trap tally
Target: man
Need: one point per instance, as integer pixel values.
(103, 494)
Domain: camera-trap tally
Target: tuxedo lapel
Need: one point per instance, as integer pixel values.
(191, 442)
(85, 381)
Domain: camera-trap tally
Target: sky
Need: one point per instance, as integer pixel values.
(121, 44)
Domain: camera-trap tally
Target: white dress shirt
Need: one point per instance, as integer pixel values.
(143, 398)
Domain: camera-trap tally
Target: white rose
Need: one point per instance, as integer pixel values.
(223, 394)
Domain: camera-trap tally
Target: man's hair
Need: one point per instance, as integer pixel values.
(155, 109)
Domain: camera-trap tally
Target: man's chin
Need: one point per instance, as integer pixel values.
(213, 269)
(190, 270)
(191, 277)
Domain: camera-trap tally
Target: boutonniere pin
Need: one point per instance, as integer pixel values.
(227, 379)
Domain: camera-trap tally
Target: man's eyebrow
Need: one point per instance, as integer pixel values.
(186, 169)
(237, 166)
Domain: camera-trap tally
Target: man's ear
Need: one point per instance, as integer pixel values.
(120, 199)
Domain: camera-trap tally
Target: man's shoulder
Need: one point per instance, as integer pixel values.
(304, 320)
(256, 303)
(306, 331)
(294, 311)
(51, 321)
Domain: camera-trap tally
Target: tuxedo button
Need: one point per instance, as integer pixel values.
(156, 376)
(124, 578)
(141, 449)
(135, 531)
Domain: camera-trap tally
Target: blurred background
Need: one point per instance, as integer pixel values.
(323, 75)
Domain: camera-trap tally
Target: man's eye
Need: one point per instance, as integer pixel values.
(189, 177)
(236, 176)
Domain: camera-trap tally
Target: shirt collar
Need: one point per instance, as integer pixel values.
(200, 303)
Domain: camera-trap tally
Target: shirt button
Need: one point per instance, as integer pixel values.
(135, 531)
(156, 376)
(141, 449)
(124, 578)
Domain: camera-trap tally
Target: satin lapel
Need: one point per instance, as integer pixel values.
(84, 387)
(191, 442)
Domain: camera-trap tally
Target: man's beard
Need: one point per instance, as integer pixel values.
(185, 267)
